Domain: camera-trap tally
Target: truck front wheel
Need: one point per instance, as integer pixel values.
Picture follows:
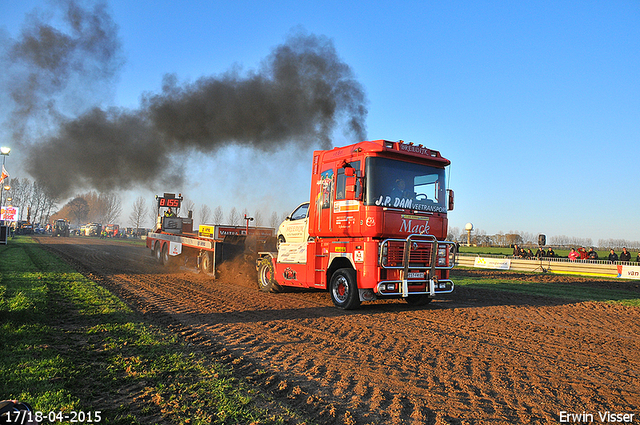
(344, 290)
(266, 276)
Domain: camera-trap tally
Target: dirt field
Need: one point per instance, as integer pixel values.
(474, 357)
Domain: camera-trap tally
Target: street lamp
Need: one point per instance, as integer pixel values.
(4, 151)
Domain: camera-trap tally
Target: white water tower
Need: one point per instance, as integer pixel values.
(468, 227)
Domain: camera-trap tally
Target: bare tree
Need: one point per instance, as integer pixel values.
(37, 202)
(153, 212)
(234, 217)
(138, 212)
(274, 221)
(205, 214)
(188, 206)
(103, 207)
(257, 217)
(453, 233)
(111, 207)
(79, 209)
(217, 215)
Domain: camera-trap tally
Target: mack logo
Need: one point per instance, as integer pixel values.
(408, 226)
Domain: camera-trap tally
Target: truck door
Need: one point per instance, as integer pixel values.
(348, 194)
(295, 228)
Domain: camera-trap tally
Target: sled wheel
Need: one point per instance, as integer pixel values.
(205, 262)
(266, 276)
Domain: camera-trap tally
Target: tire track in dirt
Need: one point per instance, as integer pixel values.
(501, 361)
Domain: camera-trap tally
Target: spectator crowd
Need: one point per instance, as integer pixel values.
(574, 255)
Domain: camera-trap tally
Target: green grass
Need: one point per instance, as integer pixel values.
(595, 290)
(70, 345)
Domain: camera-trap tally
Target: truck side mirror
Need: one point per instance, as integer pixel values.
(349, 171)
(450, 206)
(358, 188)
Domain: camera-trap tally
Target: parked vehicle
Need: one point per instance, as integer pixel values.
(60, 228)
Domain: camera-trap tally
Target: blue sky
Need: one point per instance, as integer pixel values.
(536, 104)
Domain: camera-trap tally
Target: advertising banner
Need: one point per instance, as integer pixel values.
(629, 272)
(9, 213)
(493, 263)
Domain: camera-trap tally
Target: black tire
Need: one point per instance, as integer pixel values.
(166, 258)
(206, 262)
(418, 300)
(344, 289)
(266, 276)
(158, 252)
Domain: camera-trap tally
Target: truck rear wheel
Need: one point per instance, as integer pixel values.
(166, 258)
(266, 276)
(165, 254)
(344, 289)
(157, 250)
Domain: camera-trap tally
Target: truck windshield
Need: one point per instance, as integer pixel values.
(399, 184)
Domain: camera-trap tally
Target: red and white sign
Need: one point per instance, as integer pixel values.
(10, 213)
(629, 272)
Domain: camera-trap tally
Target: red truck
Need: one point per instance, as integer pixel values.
(175, 242)
(374, 227)
(112, 230)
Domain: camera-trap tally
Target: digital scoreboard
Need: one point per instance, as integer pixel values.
(169, 202)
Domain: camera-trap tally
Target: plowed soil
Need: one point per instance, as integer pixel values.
(472, 357)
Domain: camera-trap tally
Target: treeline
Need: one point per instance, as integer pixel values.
(144, 214)
(619, 244)
(480, 238)
(91, 207)
(31, 198)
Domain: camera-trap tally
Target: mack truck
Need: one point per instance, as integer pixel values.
(174, 241)
(374, 227)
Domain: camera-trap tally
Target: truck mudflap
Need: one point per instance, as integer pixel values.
(418, 258)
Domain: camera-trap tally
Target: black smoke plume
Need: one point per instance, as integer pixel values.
(295, 99)
(54, 72)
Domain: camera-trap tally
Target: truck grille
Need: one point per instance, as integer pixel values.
(420, 255)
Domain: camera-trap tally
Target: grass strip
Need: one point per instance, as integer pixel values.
(576, 291)
(69, 345)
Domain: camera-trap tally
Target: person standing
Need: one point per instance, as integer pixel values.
(573, 255)
(625, 255)
(613, 257)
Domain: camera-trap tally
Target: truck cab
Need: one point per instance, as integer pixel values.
(374, 227)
